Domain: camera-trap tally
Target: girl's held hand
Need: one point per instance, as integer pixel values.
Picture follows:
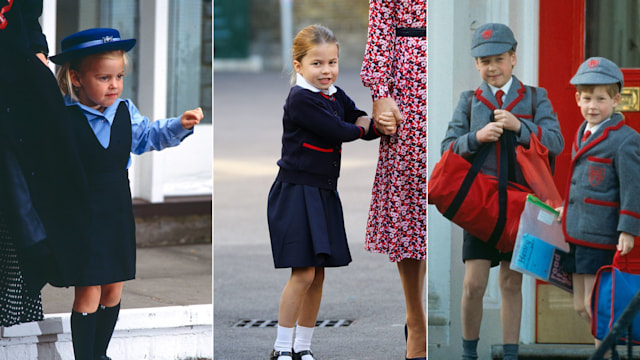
(365, 122)
(625, 243)
(386, 123)
(191, 118)
(490, 132)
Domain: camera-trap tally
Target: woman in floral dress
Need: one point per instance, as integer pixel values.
(395, 70)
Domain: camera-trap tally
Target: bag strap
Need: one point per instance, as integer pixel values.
(506, 148)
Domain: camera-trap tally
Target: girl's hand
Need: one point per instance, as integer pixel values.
(386, 105)
(386, 123)
(191, 118)
(625, 243)
(490, 132)
(365, 122)
(509, 121)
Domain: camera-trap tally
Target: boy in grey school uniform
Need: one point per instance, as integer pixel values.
(480, 119)
(601, 212)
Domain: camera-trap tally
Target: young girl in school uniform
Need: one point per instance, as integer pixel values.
(107, 128)
(304, 211)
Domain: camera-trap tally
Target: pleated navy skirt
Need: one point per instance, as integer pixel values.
(306, 226)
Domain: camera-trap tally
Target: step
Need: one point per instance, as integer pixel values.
(558, 352)
(162, 333)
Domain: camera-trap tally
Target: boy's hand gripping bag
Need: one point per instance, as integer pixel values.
(614, 287)
(486, 207)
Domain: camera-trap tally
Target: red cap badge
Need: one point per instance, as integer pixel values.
(593, 63)
(487, 34)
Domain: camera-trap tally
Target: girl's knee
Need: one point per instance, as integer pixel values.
(86, 299)
(304, 276)
(111, 294)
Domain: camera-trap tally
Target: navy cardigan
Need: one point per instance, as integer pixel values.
(315, 126)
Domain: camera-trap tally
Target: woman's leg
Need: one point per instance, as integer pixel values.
(412, 275)
(107, 316)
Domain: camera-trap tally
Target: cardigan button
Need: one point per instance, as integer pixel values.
(335, 164)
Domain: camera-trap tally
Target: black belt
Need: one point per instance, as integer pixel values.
(411, 32)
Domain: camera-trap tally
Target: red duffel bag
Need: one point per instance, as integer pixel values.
(486, 207)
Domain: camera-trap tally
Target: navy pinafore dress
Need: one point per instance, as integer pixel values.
(112, 254)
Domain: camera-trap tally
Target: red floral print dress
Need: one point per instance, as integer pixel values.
(396, 67)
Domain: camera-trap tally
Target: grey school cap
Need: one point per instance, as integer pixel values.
(598, 71)
(492, 39)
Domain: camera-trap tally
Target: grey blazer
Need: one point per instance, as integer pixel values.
(464, 124)
(602, 196)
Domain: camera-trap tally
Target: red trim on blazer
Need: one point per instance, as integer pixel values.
(630, 213)
(600, 160)
(521, 91)
(309, 146)
(601, 202)
(579, 152)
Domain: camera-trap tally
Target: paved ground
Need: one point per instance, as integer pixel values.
(166, 276)
(247, 126)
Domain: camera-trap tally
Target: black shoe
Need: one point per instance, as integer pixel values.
(276, 354)
(298, 356)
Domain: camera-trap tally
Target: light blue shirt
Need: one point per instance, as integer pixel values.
(145, 135)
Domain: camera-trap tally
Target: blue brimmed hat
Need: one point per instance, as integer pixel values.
(598, 71)
(91, 41)
(492, 39)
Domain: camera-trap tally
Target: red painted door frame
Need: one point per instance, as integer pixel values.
(561, 52)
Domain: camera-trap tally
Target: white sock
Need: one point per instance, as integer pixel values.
(284, 341)
(303, 340)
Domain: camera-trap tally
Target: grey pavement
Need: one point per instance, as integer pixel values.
(166, 276)
(247, 131)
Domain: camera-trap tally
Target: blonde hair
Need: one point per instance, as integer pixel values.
(306, 39)
(64, 72)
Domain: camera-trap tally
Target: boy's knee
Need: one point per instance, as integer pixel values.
(474, 289)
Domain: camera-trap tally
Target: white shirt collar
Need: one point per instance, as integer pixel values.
(595, 128)
(504, 88)
(302, 82)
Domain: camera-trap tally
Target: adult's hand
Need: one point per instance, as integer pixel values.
(386, 105)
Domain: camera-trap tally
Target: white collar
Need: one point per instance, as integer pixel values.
(595, 128)
(302, 82)
(504, 88)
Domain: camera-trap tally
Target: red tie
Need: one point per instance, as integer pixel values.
(586, 135)
(499, 95)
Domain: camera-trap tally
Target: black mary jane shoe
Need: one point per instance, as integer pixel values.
(276, 354)
(298, 356)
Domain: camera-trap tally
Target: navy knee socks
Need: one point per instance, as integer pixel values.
(83, 329)
(105, 323)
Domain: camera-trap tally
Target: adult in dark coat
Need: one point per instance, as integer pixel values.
(43, 194)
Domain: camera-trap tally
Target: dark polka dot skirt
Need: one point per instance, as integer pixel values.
(16, 304)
